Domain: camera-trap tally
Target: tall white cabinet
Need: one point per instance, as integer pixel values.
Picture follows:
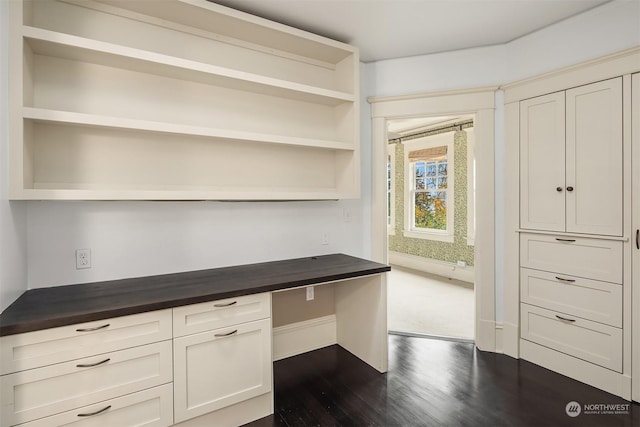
(179, 100)
(574, 233)
(571, 160)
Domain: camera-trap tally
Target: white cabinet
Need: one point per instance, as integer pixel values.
(49, 346)
(222, 367)
(186, 100)
(222, 354)
(591, 341)
(542, 163)
(80, 372)
(574, 240)
(149, 408)
(571, 160)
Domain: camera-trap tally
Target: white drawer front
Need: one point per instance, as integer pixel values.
(207, 316)
(588, 299)
(49, 346)
(219, 368)
(590, 341)
(41, 392)
(149, 408)
(590, 258)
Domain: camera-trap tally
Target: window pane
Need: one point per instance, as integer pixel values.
(431, 183)
(431, 210)
(431, 169)
(442, 168)
(442, 182)
(420, 185)
(419, 169)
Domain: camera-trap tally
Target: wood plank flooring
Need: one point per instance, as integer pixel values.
(430, 383)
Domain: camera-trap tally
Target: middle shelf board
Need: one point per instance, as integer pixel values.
(50, 43)
(93, 120)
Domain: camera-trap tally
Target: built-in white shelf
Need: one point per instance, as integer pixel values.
(94, 120)
(59, 45)
(177, 100)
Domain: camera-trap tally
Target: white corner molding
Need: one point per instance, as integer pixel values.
(301, 337)
(432, 266)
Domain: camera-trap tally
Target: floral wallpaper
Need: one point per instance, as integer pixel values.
(459, 250)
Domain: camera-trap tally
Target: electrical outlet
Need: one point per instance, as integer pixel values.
(325, 238)
(310, 293)
(83, 258)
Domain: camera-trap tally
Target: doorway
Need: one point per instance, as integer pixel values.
(479, 104)
(431, 224)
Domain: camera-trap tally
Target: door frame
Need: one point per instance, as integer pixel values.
(635, 225)
(479, 102)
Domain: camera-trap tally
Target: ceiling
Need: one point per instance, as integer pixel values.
(385, 29)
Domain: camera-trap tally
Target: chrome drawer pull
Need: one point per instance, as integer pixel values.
(565, 319)
(225, 305)
(565, 280)
(227, 334)
(91, 365)
(97, 328)
(565, 240)
(95, 413)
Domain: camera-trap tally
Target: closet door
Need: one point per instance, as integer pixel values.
(594, 158)
(542, 163)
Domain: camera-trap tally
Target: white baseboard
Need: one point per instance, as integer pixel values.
(432, 266)
(511, 340)
(300, 337)
(486, 335)
(499, 338)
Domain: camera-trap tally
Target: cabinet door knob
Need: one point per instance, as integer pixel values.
(558, 189)
(569, 188)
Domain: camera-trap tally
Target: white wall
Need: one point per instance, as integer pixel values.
(13, 269)
(460, 69)
(610, 28)
(129, 239)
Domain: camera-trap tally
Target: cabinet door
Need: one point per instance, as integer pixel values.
(542, 163)
(219, 368)
(594, 158)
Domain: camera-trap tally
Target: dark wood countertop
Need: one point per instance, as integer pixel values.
(45, 308)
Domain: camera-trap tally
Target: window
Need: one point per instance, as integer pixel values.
(391, 191)
(429, 187)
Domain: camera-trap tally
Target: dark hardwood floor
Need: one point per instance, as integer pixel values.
(430, 383)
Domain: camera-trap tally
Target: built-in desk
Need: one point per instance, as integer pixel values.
(146, 313)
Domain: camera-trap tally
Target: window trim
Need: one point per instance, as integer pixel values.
(443, 139)
(391, 154)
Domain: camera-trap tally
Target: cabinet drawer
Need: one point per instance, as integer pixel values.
(219, 368)
(588, 299)
(207, 316)
(582, 257)
(149, 408)
(37, 393)
(586, 340)
(55, 345)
